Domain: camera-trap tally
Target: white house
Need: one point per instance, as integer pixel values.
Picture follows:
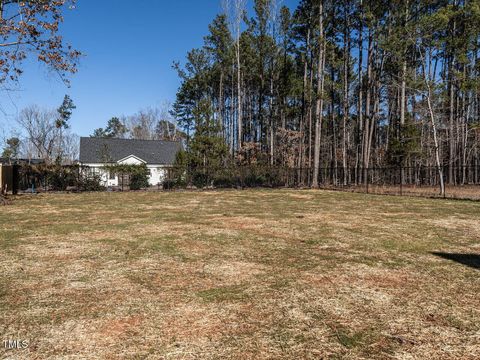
(158, 155)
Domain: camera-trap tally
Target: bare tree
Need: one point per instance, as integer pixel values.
(43, 138)
(70, 147)
(142, 124)
(41, 130)
(427, 77)
(31, 28)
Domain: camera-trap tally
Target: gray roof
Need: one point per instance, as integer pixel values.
(100, 150)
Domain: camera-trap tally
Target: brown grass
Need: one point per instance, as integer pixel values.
(462, 192)
(240, 275)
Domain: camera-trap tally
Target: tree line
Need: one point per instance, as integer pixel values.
(152, 123)
(47, 134)
(347, 85)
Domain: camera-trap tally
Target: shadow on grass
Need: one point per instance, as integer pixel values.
(472, 260)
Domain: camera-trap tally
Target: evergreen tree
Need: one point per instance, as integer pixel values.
(11, 150)
(115, 129)
(353, 84)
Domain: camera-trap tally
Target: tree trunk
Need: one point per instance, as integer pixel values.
(346, 59)
(319, 107)
(433, 123)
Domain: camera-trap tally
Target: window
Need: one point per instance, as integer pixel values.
(112, 175)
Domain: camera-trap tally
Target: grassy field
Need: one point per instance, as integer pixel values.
(240, 274)
(464, 192)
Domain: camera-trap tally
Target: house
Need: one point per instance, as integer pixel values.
(157, 155)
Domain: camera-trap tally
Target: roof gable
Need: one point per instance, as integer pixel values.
(131, 160)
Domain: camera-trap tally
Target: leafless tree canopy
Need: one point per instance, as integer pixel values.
(43, 138)
(30, 28)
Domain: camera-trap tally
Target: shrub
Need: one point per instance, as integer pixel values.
(57, 180)
(60, 177)
(169, 184)
(90, 183)
(200, 179)
(273, 178)
(255, 180)
(139, 180)
(224, 180)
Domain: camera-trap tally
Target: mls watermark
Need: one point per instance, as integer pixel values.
(15, 344)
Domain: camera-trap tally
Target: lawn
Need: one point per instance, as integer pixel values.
(240, 274)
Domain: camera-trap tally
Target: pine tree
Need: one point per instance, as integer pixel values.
(349, 85)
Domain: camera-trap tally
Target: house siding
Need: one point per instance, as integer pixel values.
(157, 155)
(158, 173)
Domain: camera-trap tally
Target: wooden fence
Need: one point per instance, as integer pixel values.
(8, 179)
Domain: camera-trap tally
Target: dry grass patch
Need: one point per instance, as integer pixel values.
(262, 274)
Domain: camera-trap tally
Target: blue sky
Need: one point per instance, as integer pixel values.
(129, 49)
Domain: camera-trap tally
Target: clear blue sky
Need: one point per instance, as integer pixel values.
(129, 49)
